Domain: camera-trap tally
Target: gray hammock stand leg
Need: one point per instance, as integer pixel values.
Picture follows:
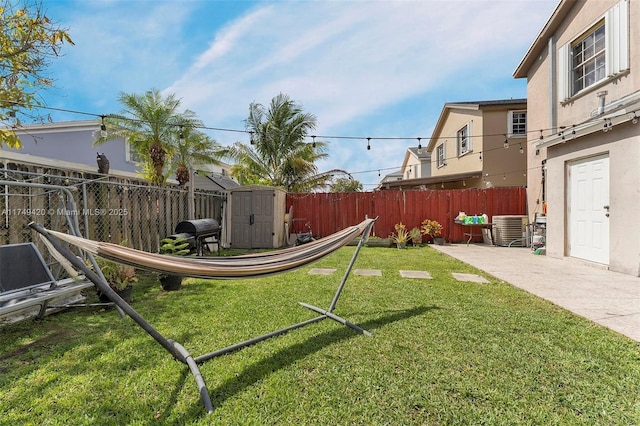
(176, 349)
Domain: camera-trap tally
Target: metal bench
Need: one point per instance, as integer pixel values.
(28, 288)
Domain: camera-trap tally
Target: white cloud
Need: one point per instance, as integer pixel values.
(359, 66)
(346, 60)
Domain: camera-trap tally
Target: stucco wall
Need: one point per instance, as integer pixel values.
(623, 147)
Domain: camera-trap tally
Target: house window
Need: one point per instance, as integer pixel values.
(589, 59)
(464, 139)
(131, 155)
(517, 123)
(600, 53)
(442, 159)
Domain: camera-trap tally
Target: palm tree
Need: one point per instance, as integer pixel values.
(149, 124)
(194, 149)
(278, 154)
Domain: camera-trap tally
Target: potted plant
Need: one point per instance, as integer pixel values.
(401, 236)
(120, 278)
(433, 229)
(174, 247)
(415, 235)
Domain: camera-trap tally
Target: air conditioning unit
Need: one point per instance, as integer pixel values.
(510, 230)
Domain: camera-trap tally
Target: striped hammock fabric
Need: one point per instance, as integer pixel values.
(232, 267)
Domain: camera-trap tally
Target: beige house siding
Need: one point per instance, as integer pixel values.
(489, 128)
(560, 117)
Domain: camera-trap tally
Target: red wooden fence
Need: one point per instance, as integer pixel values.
(331, 212)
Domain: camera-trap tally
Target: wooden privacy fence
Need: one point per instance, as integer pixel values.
(330, 212)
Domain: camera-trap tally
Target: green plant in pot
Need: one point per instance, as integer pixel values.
(401, 236)
(119, 276)
(415, 235)
(173, 247)
(433, 229)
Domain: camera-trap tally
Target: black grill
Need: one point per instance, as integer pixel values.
(196, 231)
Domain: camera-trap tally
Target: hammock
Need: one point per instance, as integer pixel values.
(245, 266)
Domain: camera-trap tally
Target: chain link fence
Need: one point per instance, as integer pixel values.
(103, 208)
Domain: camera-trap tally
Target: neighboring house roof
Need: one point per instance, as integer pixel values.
(421, 154)
(59, 164)
(213, 182)
(540, 42)
(472, 106)
(418, 182)
(393, 176)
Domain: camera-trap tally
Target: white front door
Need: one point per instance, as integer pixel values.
(589, 209)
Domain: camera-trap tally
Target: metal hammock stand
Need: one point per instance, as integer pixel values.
(284, 260)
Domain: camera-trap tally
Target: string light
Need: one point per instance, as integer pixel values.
(633, 117)
(181, 136)
(251, 141)
(314, 141)
(103, 127)
(521, 149)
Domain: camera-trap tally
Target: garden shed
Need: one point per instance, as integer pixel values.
(257, 216)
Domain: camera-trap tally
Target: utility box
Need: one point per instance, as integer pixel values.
(257, 216)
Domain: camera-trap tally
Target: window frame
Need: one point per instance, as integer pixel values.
(595, 64)
(130, 155)
(441, 155)
(511, 123)
(463, 140)
(616, 52)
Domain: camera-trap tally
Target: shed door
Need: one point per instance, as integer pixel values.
(240, 219)
(588, 209)
(263, 219)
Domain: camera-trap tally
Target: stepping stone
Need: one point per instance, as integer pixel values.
(424, 275)
(322, 271)
(469, 278)
(368, 272)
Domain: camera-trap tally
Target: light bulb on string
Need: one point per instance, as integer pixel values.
(251, 141)
(368, 144)
(314, 140)
(419, 146)
(181, 136)
(103, 127)
(506, 142)
(521, 149)
(634, 119)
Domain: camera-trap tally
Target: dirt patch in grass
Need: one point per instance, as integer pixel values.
(33, 349)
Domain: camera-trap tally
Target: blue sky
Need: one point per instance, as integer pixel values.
(379, 69)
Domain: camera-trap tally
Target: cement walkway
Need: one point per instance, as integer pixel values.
(607, 298)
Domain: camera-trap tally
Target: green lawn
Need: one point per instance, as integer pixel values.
(443, 352)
